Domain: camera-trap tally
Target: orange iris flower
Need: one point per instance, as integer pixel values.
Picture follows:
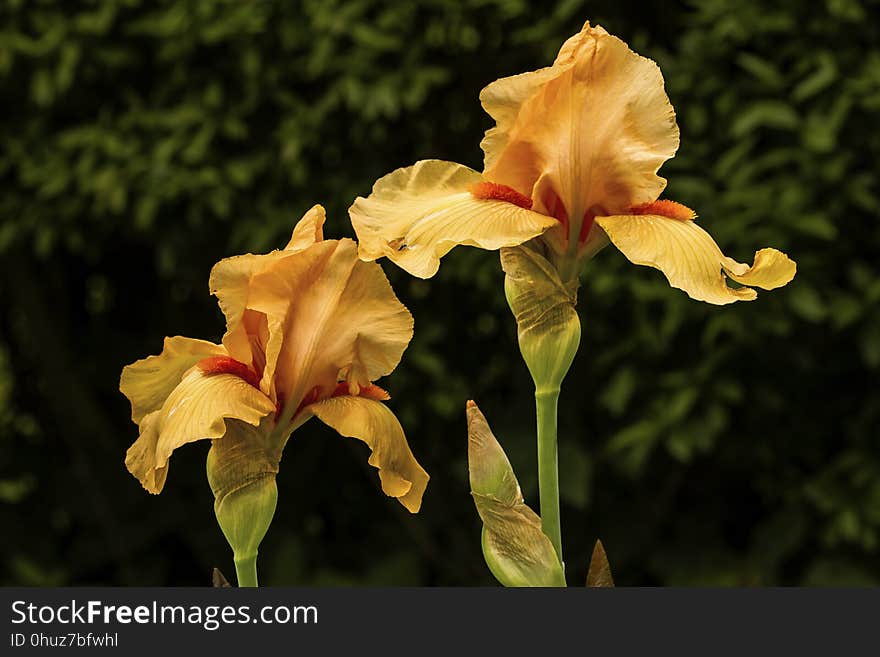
(572, 160)
(309, 328)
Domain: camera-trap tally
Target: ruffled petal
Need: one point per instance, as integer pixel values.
(770, 270)
(230, 282)
(503, 100)
(416, 215)
(148, 382)
(330, 317)
(374, 423)
(309, 229)
(598, 122)
(691, 260)
(195, 409)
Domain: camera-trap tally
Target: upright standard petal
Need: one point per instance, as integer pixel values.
(230, 282)
(374, 423)
(195, 409)
(691, 260)
(598, 123)
(148, 382)
(416, 215)
(309, 229)
(331, 317)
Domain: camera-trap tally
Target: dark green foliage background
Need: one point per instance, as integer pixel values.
(143, 141)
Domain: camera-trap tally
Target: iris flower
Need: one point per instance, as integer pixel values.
(572, 158)
(308, 330)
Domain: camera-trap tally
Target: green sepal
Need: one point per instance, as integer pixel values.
(516, 550)
(241, 471)
(548, 327)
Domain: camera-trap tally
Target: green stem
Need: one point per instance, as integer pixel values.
(246, 570)
(548, 471)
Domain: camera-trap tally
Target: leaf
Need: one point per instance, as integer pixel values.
(599, 575)
(765, 114)
(824, 75)
(762, 69)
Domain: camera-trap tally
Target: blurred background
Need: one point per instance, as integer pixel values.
(142, 141)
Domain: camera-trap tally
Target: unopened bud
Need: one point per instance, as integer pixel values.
(515, 548)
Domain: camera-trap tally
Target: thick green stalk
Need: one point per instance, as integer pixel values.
(246, 570)
(548, 470)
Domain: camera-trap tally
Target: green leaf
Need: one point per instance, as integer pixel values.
(824, 74)
(762, 69)
(807, 303)
(765, 114)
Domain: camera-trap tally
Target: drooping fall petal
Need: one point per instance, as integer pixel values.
(691, 260)
(416, 215)
(770, 270)
(195, 409)
(374, 423)
(148, 382)
(597, 122)
(516, 549)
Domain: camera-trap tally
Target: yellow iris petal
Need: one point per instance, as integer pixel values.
(416, 215)
(230, 282)
(597, 122)
(195, 409)
(771, 269)
(691, 260)
(309, 229)
(503, 100)
(329, 313)
(374, 423)
(148, 382)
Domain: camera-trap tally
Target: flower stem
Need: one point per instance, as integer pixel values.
(246, 570)
(548, 470)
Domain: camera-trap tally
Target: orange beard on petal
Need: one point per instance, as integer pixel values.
(371, 391)
(343, 388)
(490, 191)
(227, 365)
(664, 208)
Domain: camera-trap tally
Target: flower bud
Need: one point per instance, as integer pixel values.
(516, 550)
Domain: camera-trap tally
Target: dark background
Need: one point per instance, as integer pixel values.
(143, 141)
